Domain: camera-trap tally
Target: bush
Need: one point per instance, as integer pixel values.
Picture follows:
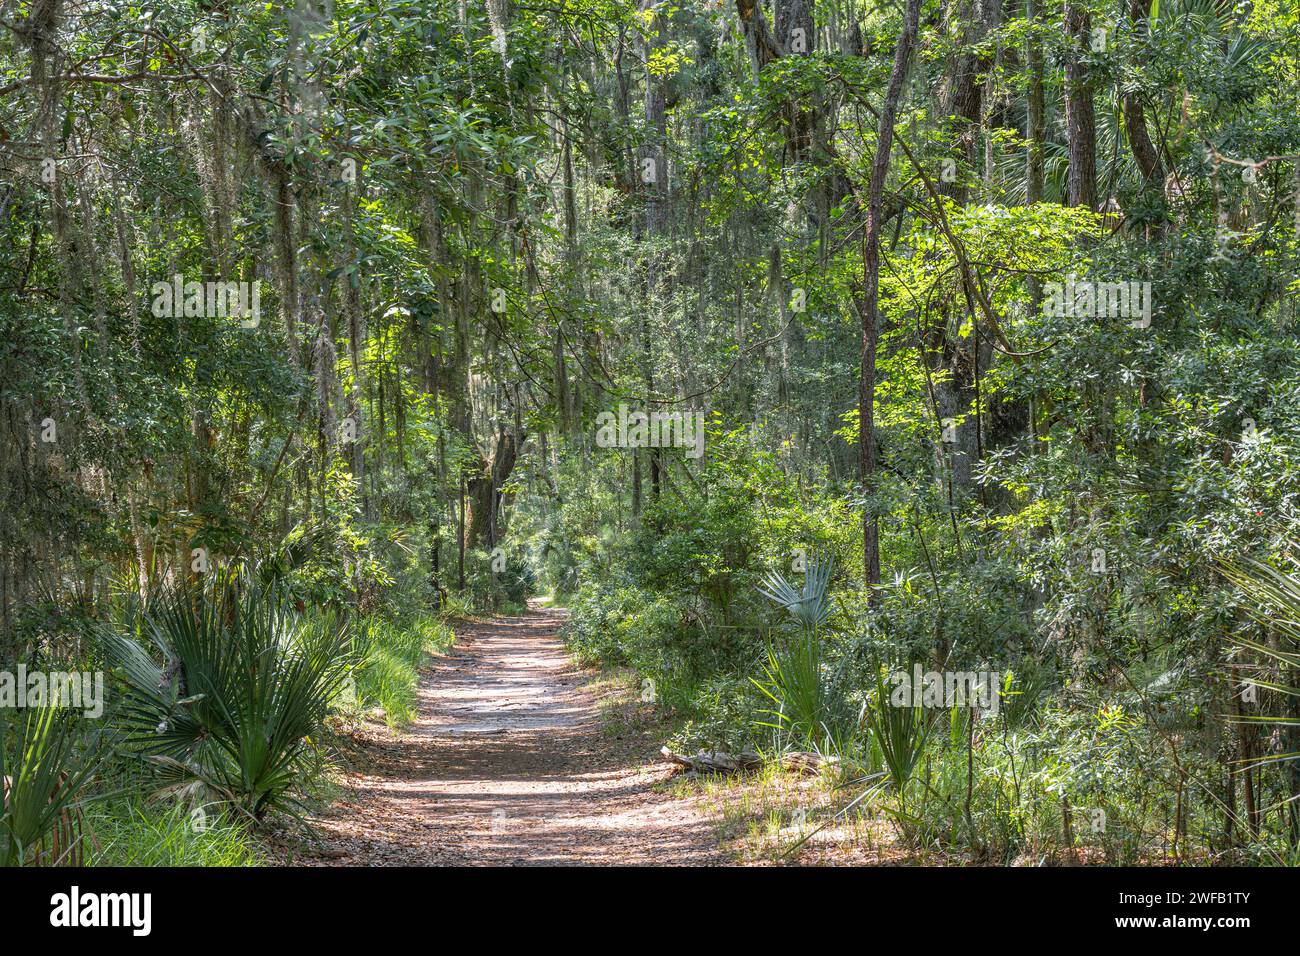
(724, 713)
(45, 763)
(242, 686)
(491, 589)
(592, 618)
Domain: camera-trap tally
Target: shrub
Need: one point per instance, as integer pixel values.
(491, 589)
(242, 687)
(44, 765)
(723, 713)
(814, 707)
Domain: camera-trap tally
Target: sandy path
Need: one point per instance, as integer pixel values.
(508, 763)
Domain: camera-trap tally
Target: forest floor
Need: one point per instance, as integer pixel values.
(517, 757)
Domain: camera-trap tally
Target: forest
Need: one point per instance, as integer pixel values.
(865, 430)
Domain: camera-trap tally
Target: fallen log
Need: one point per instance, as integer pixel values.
(802, 762)
(717, 761)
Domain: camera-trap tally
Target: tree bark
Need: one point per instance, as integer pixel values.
(1035, 122)
(796, 35)
(962, 110)
(763, 46)
(484, 491)
(1135, 126)
(1080, 116)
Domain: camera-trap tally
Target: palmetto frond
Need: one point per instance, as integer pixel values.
(1275, 603)
(811, 604)
(244, 685)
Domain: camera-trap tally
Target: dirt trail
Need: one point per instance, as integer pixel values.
(509, 763)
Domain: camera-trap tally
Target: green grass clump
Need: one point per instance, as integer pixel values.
(132, 833)
(391, 653)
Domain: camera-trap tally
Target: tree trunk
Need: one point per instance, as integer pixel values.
(1135, 126)
(1080, 117)
(1035, 121)
(484, 491)
(868, 301)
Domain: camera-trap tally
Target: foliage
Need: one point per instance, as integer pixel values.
(239, 695)
(476, 228)
(129, 832)
(389, 655)
(46, 762)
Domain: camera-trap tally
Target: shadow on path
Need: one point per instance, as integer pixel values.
(508, 763)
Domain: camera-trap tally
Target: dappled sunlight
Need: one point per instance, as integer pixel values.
(507, 762)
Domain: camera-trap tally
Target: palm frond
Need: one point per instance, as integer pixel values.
(811, 604)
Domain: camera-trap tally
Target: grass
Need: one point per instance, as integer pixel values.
(761, 815)
(758, 815)
(130, 832)
(617, 691)
(391, 654)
